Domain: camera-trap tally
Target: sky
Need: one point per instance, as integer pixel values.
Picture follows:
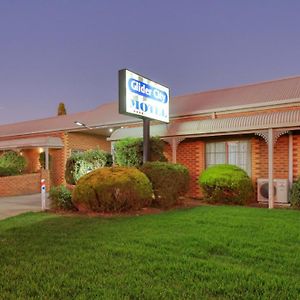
(70, 51)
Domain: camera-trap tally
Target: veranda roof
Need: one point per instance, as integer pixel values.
(251, 123)
(43, 142)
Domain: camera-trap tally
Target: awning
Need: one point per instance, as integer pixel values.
(43, 142)
(284, 119)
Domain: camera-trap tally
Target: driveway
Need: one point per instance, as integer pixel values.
(12, 206)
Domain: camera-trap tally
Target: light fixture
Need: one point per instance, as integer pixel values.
(79, 123)
(82, 124)
(111, 130)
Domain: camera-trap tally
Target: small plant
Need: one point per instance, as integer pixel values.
(295, 194)
(226, 184)
(169, 181)
(113, 189)
(61, 198)
(12, 163)
(129, 151)
(42, 160)
(79, 164)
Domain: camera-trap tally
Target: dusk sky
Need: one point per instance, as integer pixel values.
(55, 51)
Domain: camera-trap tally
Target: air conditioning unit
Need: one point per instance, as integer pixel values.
(281, 189)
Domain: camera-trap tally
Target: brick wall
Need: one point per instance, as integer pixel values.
(23, 184)
(191, 154)
(83, 141)
(260, 158)
(296, 156)
(32, 157)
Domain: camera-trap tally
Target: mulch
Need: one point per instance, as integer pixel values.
(184, 203)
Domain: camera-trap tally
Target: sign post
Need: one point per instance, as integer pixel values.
(43, 193)
(143, 98)
(146, 140)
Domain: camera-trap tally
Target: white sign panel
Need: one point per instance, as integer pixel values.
(142, 97)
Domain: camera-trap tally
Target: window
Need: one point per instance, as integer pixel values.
(231, 152)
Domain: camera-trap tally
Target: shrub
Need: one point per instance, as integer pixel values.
(129, 151)
(169, 181)
(226, 184)
(295, 194)
(42, 160)
(113, 189)
(79, 164)
(12, 163)
(7, 171)
(61, 198)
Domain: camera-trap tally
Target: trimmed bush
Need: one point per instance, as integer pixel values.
(113, 189)
(7, 171)
(12, 163)
(61, 198)
(129, 151)
(226, 184)
(295, 194)
(79, 164)
(169, 181)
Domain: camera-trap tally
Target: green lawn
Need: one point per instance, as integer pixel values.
(206, 252)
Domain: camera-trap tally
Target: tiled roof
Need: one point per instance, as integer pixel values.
(104, 115)
(252, 94)
(262, 94)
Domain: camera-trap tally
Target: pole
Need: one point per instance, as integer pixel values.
(43, 193)
(146, 140)
(270, 154)
(47, 158)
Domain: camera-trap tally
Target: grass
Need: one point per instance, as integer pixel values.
(201, 253)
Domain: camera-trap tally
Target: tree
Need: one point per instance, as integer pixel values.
(61, 110)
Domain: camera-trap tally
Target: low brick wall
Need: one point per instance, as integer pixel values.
(23, 184)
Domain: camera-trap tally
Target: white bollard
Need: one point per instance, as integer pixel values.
(43, 193)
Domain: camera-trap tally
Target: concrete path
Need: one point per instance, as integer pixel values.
(12, 206)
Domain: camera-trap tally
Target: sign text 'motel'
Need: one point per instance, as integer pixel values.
(142, 97)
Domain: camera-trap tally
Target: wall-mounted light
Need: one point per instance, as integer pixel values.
(79, 123)
(111, 130)
(82, 124)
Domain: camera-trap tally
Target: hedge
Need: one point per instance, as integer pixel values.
(79, 164)
(12, 163)
(129, 151)
(169, 181)
(226, 184)
(295, 194)
(113, 189)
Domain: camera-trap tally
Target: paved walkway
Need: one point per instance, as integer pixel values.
(12, 206)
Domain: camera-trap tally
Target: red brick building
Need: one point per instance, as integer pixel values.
(253, 126)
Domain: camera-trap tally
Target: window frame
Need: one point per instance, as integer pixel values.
(248, 167)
